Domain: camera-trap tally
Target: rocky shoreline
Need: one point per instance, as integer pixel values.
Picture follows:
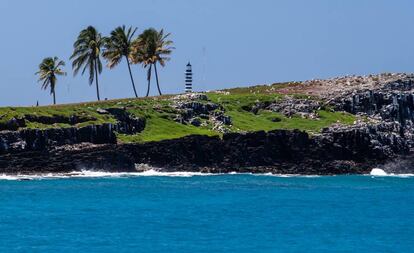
(383, 134)
(336, 151)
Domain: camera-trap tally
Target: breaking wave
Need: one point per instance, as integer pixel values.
(381, 173)
(101, 174)
(157, 173)
(147, 173)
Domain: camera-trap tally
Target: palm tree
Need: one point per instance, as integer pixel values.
(86, 54)
(152, 47)
(49, 69)
(119, 46)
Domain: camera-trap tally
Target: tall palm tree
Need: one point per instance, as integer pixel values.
(86, 55)
(49, 69)
(119, 46)
(150, 48)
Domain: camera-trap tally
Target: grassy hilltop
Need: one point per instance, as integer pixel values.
(160, 114)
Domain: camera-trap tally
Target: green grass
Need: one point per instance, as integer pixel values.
(246, 121)
(237, 101)
(326, 119)
(261, 89)
(7, 113)
(159, 114)
(158, 129)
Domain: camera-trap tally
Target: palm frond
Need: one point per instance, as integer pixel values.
(91, 72)
(152, 47)
(49, 68)
(118, 45)
(87, 51)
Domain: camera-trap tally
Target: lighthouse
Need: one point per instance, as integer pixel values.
(189, 79)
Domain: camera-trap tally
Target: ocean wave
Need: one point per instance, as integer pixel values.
(147, 173)
(376, 172)
(283, 175)
(157, 173)
(101, 174)
(396, 175)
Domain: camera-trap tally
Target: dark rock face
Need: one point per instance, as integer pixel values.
(403, 84)
(195, 122)
(12, 124)
(36, 139)
(127, 123)
(393, 102)
(288, 107)
(190, 110)
(280, 151)
(198, 108)
(33, 139)
(386, 135)
(193, 112)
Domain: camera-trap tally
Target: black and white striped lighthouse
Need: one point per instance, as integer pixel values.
(189, 79)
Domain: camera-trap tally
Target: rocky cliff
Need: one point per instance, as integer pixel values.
(382, 133)
(336, 151)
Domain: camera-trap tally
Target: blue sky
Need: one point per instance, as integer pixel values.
(230, 42)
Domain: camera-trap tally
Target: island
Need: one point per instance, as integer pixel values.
(344, 125)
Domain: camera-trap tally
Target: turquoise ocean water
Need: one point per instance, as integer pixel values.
(216, 213)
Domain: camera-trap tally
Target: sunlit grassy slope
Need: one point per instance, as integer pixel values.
(159, 114)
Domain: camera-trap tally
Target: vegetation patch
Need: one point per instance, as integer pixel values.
(161, 115)
(158, 128)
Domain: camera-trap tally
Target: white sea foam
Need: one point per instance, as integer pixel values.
(286, 175)
(154, 172)
(378, 172)
(157, 173)
(381, 173)
(403, 175)
(101, 174)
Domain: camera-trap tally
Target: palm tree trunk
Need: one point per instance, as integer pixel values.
(149, 80)
(156, 78)
(132, 78)
(96, 80)
(52, 89)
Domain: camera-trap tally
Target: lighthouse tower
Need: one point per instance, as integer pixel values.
(189, 79)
